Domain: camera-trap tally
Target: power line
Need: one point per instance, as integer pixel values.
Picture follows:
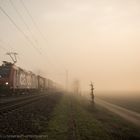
(36, 26)
(18, 28)
(27, 27)
(33, 21)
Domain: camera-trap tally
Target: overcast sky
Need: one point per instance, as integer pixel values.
(95, 40)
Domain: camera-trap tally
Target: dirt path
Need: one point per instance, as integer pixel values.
(129, 115)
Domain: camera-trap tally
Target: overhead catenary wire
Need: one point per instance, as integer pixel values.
(19, 29)
(33, 21)
(21, 17)
(37, 28)
(35, 25)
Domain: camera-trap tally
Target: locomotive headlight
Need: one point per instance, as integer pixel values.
(6, 83)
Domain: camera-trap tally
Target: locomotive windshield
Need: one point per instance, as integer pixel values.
(4, 71)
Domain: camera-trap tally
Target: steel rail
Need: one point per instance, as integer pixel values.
(19, 103)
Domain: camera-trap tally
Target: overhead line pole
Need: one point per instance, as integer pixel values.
(66, 80)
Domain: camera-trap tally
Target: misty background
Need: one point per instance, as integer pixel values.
(88, 40)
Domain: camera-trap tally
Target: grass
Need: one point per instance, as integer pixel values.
(88, 127)
(114, 125)
(76, 119)
(132, 103)
(57, 128)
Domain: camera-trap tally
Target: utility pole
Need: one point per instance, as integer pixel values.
(92, 94)
(13, 56)
(66, 84)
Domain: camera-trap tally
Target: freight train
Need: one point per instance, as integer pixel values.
(14, 79)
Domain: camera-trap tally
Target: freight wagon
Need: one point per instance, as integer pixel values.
(41, 83)
(14, 79)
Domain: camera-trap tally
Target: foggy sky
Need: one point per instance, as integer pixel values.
(94, 40)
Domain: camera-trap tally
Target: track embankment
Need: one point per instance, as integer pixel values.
(27, 119)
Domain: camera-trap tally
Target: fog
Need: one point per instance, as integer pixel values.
(88, 40)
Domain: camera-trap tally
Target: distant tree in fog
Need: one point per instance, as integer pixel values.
(76, 87)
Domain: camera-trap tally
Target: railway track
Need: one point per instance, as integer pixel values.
(12, 105)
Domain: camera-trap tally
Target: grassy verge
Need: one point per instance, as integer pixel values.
(76, 119)
(57, 128)
(88, 127)
(115, 126)
(71, 121)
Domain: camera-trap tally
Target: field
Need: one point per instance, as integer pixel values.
(130, 101)
(78, 119)
(67, 117)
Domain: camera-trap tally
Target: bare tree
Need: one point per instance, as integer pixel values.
(92, 94)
